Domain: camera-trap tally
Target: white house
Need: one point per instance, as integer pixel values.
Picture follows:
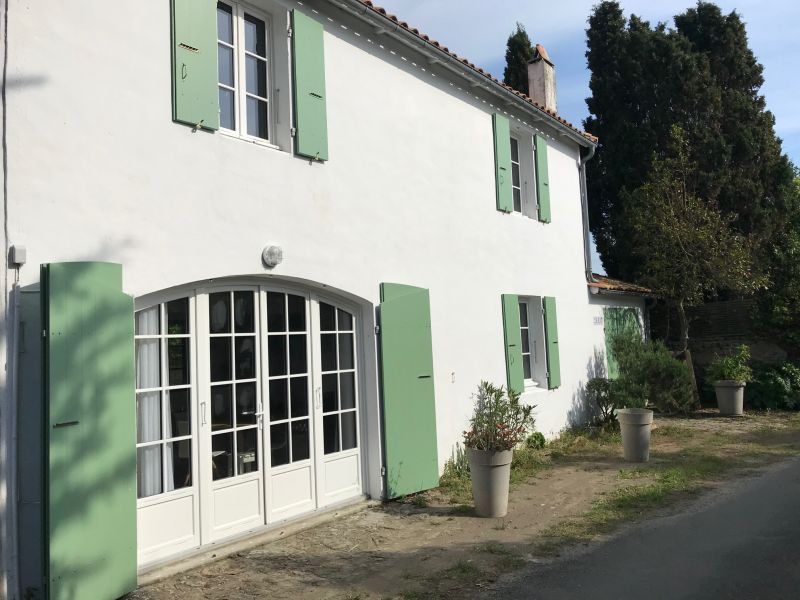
(260, 254)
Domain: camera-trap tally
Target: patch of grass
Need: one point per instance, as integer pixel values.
(500, 525)
(509, 562)
(674, 432)
(583, 441)
(419, 500)
(456, 485)
(494, 548)
(686, 473)
(527, 463)
(463, 572)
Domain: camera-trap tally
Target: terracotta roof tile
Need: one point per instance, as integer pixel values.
(382, 11)
(602, 282)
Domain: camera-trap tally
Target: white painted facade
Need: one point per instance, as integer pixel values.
(98, 171)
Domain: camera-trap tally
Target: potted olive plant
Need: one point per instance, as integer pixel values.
(499, 423)
(730, 374)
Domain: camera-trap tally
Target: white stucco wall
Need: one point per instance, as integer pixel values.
(98, 171)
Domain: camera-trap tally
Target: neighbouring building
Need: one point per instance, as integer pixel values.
(260, 254)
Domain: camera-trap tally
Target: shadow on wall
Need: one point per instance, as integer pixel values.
(91, 467)
(583, 410)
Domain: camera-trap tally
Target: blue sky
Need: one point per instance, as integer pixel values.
(478, 30)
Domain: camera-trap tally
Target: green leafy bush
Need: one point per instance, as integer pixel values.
(775, 387)
(535, 441)
(649, 373)
(500, 421)
(733, 367)
(600, 392)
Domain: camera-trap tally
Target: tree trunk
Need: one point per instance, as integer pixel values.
(684, 326)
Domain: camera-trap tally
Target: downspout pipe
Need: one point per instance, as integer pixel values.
(587, 240)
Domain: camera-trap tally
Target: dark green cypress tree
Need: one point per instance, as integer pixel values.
(643, 80)
(703, 77)
(519, 51)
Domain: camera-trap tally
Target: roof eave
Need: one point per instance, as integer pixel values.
(601, 291)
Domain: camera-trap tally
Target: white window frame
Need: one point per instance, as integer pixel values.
(515, 140)
(526, 163)
(238, 12)
(536, 348)
(164, 388)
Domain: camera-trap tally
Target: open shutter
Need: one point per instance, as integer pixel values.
(617, 319)
(542, 179)
(409, 406)
(513, 340)
(551, 341)
(502, 163)
(195, 99)
(310, 113)
(89, 431)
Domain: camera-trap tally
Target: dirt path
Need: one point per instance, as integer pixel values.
(440, 550)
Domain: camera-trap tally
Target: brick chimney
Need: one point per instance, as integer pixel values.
(542, 78)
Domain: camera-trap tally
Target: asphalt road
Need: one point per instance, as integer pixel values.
(742, 542)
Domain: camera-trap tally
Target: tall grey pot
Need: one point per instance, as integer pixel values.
(730, 397)
(490, 472)
(636, 424)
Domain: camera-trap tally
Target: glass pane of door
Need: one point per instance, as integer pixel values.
(234, 375)
(289, 381)
(337, 359)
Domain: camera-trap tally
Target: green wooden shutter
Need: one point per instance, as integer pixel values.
(90, 431)
(542, 179)
(502, 163)
(310, 113)
(409, 405)
(195, 97)
(513, 340)
(551, 342)
(617, 319)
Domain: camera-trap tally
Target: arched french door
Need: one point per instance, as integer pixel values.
(248, 412)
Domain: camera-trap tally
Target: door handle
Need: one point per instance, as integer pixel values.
(202, 413)
(423, 376)
(318, 398)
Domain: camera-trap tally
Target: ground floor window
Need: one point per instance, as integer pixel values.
(534, 363)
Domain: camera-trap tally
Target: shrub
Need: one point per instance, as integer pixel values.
(500, 421)
(731, 366)
(775, 387)
(600, 392)
(535, 441)
(649, 372)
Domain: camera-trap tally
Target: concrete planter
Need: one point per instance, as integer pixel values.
(730, 397)
(490, 472)
(635, 424)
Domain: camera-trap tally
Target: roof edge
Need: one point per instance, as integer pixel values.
(366, 9)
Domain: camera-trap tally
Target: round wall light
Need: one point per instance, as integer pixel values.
(272, 256)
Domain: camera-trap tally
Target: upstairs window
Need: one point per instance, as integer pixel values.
(244, 71)
(516, 179)
(523, 175)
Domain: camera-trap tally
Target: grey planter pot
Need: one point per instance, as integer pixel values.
(490, 472)
(635, 424)
(730, 397)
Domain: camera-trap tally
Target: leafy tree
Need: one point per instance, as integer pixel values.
(683, 246)
(703, 77)
(519, 51)
(777, 311)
